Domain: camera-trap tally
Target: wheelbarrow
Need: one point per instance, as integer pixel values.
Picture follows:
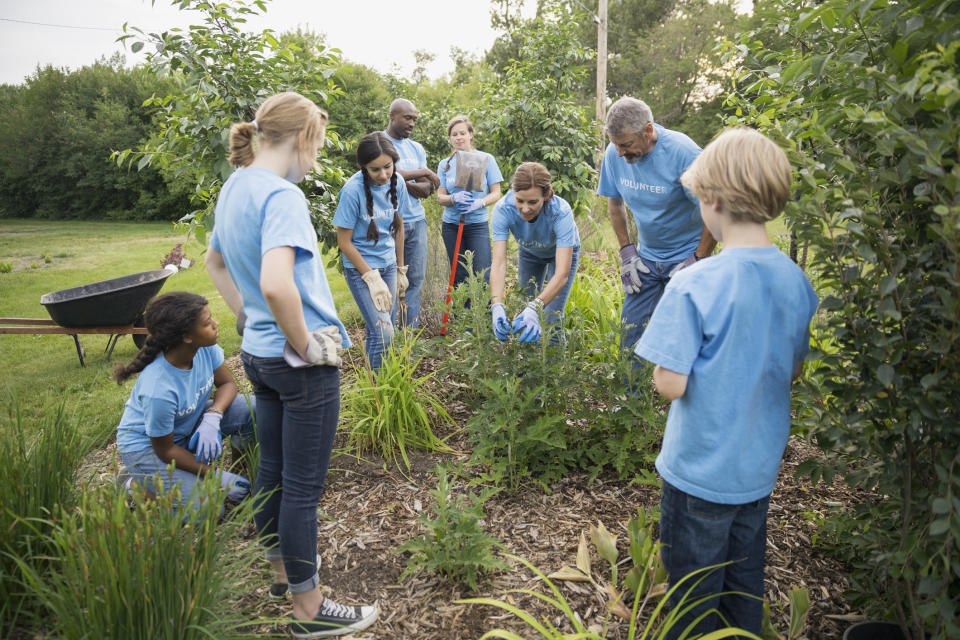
(111, 307)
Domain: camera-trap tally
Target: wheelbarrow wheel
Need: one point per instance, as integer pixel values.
(139, 339)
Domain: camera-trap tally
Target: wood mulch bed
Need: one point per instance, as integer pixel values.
(369, 510)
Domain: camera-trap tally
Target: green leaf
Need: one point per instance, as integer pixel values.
(885, 374)
(136, 46)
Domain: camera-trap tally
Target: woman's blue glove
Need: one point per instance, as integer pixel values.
(501, 326)
(472, 205)
(206, 440)
(461, 197)
(238, 487)
(527, 324)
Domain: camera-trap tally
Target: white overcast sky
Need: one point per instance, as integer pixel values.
(378, 33)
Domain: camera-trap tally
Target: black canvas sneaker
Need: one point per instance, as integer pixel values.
(334, 619)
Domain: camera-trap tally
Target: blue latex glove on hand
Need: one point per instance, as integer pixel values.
(238, 487)
(689, 260)
(206, 440)
(631, 266)
(461, 197)
(501, 326)
(527, 324)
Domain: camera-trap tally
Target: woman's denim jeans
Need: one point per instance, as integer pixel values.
(476, 238)
(697, 534)
(379, 323)
(297, 414)
(144, 465)
(534, 272)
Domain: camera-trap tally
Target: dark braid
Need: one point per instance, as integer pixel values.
(395, 223)
(372, 146)
(169, 318)
(447, 167)
(373, 234)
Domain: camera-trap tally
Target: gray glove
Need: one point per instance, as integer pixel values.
(241, 321)
(631, 266)
(323, 348)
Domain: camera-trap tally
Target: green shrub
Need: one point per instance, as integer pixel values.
(394, 409)
(6, 267)
(37, 479)
(542, 410)
(149, 572)
(864, 97)
(455, 544)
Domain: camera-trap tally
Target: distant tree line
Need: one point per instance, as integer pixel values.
(110, 142)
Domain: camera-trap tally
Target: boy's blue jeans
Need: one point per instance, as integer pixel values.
(697, 534)
(297, 414)
(415, 257)
(144, 465)
(379, 323)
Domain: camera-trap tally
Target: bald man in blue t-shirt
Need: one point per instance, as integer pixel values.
(421, 182)
(641, 169)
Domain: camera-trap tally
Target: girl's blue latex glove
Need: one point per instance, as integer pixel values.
(206, 440)
(501, 326)
(238, 487)
(527, 324)
(461, 197)
(472, 205)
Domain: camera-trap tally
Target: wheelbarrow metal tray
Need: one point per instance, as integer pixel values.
(114, 302)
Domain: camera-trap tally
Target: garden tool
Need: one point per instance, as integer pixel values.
(453, 273)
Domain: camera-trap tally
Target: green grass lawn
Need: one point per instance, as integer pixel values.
(43, 370)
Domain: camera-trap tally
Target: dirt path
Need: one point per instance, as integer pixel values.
(370, 511)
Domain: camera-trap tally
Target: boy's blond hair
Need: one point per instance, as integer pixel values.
(745, 171)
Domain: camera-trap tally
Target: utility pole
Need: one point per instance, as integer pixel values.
(601, 73)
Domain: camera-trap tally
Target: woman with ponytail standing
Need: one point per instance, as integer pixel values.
(370, 236)
(170, 416)
(265, 262)
(467, 192)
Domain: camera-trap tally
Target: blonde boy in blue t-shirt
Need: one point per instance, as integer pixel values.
(728, 338)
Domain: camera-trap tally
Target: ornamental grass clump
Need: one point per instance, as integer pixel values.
(393, 409)
(37, 479)
(150, 571)
(657, 625)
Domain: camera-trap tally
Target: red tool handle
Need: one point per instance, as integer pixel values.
(453, 273)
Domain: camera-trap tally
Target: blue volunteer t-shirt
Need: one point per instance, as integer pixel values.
(352, 214)
(448, 177)
(667, 214)
(167, 400)
(412, 156)
(554, 227)
(256, 211)
(737, 324)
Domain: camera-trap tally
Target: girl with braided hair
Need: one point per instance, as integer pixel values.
(370, 236)
(170, 416)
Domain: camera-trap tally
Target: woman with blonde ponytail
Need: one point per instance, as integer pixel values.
(265, 262)
(370, 234)
(170, 417)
